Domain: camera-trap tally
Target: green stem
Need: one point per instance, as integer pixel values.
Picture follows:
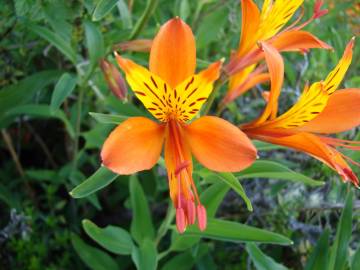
(149, 9)
(163, 254)
(170, 214)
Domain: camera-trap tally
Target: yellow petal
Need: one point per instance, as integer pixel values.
(194, 91)
(148, 87)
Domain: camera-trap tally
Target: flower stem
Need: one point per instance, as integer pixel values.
(149, 9)
(170, 214)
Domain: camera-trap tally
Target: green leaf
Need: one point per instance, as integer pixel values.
(94, 42)
(125, 14)
(231, 181)
(141, 224)
(108, 118)
(112, 238)
(264, 146)
(319, 257)
(63, 89)
(145, 258)
(215, 21)
(185, 9)
(42, 111)
(94, 258)
(229, 231)
(271, 169)
(339, 250)
(355, 264)
(261, 260)
(211, 198)
(182, 261)
(100, 179)
(103, 8)
(56, 40)
(23, 91)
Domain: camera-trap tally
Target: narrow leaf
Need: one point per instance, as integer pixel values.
(56, 40)
(94, 42)
(63, 89)
(100, 179)
(94, 258)
(261, 260)
(112, 238)
(108, 118)
(141, 225)
(271, 169)
(42, 111)
(228, 231)
(339, 250)
(103, 8)
(319, 257)
(145, 258)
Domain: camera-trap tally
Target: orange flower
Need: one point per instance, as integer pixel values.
(173, 94)
(265, 26)
(320, 110)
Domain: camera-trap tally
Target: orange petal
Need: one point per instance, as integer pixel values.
(250, 23)
(294, 40)
(173, 52)
(219, 145)
(249, 83)
(133, 146)
(275, 65)
(341, 113)
(310, 144)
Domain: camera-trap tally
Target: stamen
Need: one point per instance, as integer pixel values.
(201, 217)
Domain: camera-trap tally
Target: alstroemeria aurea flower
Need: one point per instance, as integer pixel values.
(173, 94)
(320, 110)
(265, 26)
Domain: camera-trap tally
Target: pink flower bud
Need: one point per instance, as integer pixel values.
(180, 220)
(201, 216)
(114, 79)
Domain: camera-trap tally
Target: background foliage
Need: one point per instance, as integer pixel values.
(273, 215)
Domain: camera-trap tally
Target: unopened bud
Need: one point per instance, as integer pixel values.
(180, 220)
(138, 45)
(114, 79)
(201, 217)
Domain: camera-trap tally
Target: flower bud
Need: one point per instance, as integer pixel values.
(138, 45)
(114, 79)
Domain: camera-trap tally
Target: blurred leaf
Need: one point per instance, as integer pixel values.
(124, 14)
(55, 40)
(9, 197)
(94, 43)
(229, 231)
(42, 111)
(271, 169)
(114, 239)
(339, 250)
(182, 261)
(211, 198)
(231, 181)
(210, 27)
(108, 118)
(42, 175)
(141, 224)
(319, 257)
(21, 92)
(261, 260)
(145, 258)
(95, 137)
(100, 179)
(141, 22)
(264, 146)
(94, 258)
(63, 89)
(102, 8)
(355, 264)
(185, 9)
